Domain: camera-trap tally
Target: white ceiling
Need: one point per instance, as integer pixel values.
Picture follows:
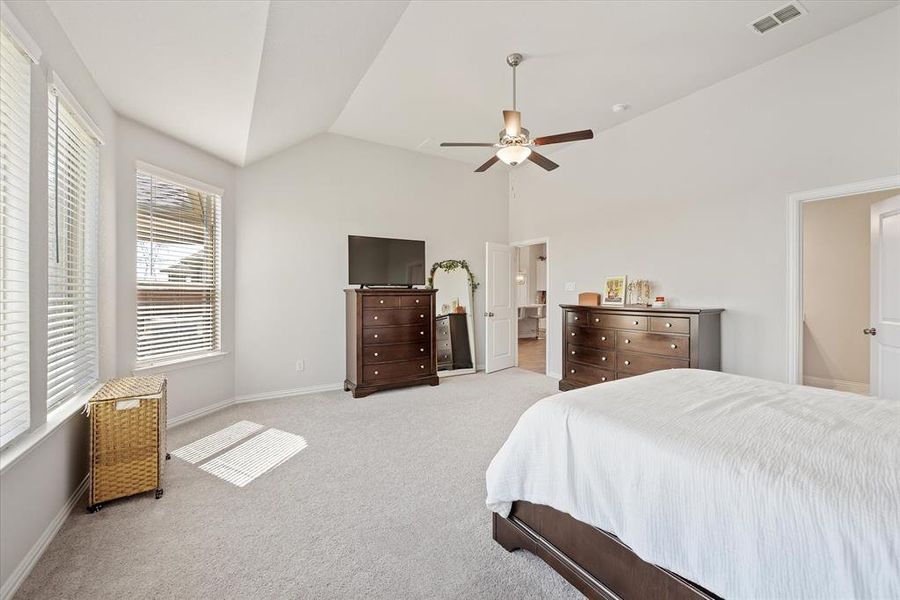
(245, 78)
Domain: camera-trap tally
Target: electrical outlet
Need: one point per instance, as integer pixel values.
(570, 286)
(301, 365)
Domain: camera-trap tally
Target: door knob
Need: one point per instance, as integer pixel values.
(870, 331)
(489, 314)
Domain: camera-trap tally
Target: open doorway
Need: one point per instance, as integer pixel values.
(836, 300)
(531, 304)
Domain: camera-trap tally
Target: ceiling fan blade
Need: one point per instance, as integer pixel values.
(542, 161)
(512, 120)
(487, 165)
(559, 138)
(465, 144)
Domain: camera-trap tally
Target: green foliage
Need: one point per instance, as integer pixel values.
(452, 265)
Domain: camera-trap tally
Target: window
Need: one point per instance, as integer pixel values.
(73, 167)
(178, 268)
(15, 94)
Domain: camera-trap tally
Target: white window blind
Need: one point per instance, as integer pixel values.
(15, 94)
(73, 165)
(178, 270)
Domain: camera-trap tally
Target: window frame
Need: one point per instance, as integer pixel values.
(180, 360)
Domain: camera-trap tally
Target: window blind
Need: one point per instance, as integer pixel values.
(15, 93)
(178, 270)
(73, 165)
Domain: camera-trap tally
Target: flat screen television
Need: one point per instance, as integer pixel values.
(386, 261)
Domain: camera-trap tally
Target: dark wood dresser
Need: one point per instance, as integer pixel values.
(602, 343)
(390, 339)
(452, 333)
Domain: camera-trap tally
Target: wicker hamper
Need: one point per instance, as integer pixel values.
(128, 438)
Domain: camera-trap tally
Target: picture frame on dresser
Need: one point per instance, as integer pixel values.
(605, 343)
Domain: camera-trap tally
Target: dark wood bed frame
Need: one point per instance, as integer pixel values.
(595, 562)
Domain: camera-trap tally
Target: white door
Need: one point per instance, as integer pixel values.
(500, 308)
(885, 326)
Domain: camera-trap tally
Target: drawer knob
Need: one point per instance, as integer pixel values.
(421, 316)
(421, 333)
(596, 319)
(417, 301)
(603, 379)
(668, 324)
(673, 346)
(381, 301)
(627, 341)
(421, 349)
(376, 317)
(376, 335)
(573, 334)
(421, 366)
(573, 353)
(627, 362)
(576, 318)
(603, 358)
(602, 338)
(376, 372)
(634, 322)
(572, 371)
(376, 354)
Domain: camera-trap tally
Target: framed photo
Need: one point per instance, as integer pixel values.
(614, 291)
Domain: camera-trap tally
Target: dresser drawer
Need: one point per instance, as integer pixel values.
(415, 301)
(670, 324)
(654, 343)
(444, 345)
(380, 302)
(445, 356)
(403, 316)
(619, 321)
(591, 356)
(398, 370)
(442, 329)
(591, 338)
(635, 364)
(383, 353)
(396, 335)
(587, 374)
(576, 317)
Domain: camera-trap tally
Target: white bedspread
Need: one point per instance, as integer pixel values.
(750, 488)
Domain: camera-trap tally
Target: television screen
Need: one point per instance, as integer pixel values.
(386, 261)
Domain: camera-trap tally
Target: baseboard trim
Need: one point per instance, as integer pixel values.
(840, 385)
(554, 375)
(11, 585)
(275, 395)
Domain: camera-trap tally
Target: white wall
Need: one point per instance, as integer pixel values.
(293, 217)
(693, 195)
(196, 385)
(36, 487)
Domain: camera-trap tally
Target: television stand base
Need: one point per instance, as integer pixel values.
(363, 286)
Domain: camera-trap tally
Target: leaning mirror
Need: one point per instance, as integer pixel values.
(455, 323)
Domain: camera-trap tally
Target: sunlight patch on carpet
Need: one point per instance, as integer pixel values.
(216, 442)
(258, 455)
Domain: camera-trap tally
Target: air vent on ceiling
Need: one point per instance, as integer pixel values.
(772, 20)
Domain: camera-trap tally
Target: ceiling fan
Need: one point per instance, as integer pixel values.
(516, 143)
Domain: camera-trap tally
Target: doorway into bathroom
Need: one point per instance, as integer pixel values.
(532, 263)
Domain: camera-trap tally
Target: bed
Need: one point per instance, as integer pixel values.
(689, 484)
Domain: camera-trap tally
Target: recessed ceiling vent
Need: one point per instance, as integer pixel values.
(778, 17)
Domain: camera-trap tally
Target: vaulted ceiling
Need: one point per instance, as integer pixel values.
(243, 79)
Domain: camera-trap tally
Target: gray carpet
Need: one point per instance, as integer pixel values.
(386, 502)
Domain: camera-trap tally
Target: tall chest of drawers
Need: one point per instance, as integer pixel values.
(602, 344)
(390, 339)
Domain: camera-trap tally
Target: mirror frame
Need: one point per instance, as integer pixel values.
(448, 266)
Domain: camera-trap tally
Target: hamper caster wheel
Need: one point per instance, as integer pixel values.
(94, 508)
(159, 493)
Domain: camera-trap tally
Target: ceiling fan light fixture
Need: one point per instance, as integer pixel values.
(513, 155)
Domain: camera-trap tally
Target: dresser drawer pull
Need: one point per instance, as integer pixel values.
(421, 333)
(376, 354)
(602, 338)
(417, 300)
(421, 316)
(673, 346)
(573, 353)
(375, 317)
(421, 366)
(576, 317)
(376, 372)
(572, 371)
(381, 301)
(635, 322)
(573, 334)
(668, 324)
(603, 358)
(627, 341)
(627, 362)
(421, 349)
(376, 335)
(596, 319)
(603, 379)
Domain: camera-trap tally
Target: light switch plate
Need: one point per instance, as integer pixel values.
(570, 286)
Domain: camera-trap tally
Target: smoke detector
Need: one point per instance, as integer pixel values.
(770, 21)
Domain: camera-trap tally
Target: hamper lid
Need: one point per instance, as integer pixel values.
(130, 387)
